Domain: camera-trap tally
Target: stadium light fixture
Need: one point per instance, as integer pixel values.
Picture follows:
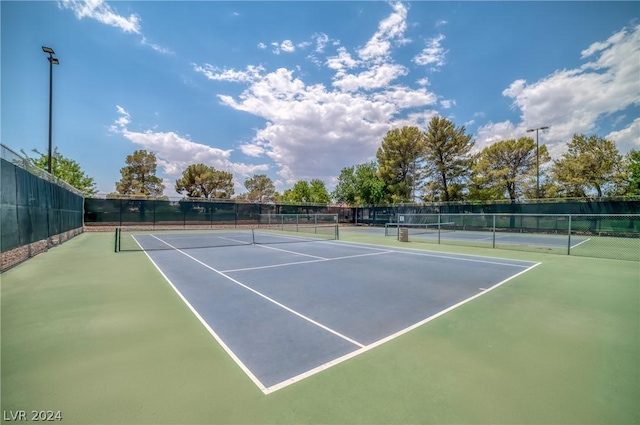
(52, 61)
(537, 158)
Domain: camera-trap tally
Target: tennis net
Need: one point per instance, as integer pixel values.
(393, 229)
(127, 239)
(297, 219)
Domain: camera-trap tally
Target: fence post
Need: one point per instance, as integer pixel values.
(569, 236)
(493, 230)
(235, 214)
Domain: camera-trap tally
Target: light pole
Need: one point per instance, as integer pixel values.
(537, 159)
(52, 61)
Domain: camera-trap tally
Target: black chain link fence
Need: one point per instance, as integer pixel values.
(615, 236)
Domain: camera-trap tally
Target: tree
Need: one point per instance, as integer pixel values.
(318, 192)
(504, 167)
(632, 173)
(360, 185)
(346, 190)
(447, 159)
(66, 169)
(139, 175)
(202, 181)
(305, 192)
(590, 163)
(399, 162)
(371, 188)
(298, 193)
(260, 189)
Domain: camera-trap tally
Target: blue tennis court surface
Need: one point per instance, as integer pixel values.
(286, 311)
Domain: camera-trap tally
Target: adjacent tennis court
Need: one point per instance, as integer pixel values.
(454, 232)
(284, 308)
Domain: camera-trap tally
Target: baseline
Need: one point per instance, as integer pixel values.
(391, 337)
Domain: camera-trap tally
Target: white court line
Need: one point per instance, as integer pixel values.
(290, 310)
(580, 243)
(232, 240)
(224, 346)
(292, 252)
(486, 239)
(388, 338)
(424, 253)
(305, 237)
(305, 262)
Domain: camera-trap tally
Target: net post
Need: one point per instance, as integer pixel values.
(253, 236)
(115, 241)
(569, 235)
(337, 232)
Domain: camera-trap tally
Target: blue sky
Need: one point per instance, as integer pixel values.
(299, 90)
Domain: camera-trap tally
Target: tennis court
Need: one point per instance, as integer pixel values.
(106, 339)
(284, 308)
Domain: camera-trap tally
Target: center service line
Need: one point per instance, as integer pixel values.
(302, 316)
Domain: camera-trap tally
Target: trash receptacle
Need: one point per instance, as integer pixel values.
(403, 235)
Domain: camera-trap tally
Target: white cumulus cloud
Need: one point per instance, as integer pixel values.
(573, 100)
(175, 152)
(433, 54)
(390, 30)
(251, 73)
(312, 130)
(628, 138)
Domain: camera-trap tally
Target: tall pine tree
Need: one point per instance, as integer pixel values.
(447, 159)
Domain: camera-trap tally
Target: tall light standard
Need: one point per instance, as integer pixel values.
(52, 61)
(537, 159)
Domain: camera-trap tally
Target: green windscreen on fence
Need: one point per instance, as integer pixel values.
(35, 213)
(192, 212)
